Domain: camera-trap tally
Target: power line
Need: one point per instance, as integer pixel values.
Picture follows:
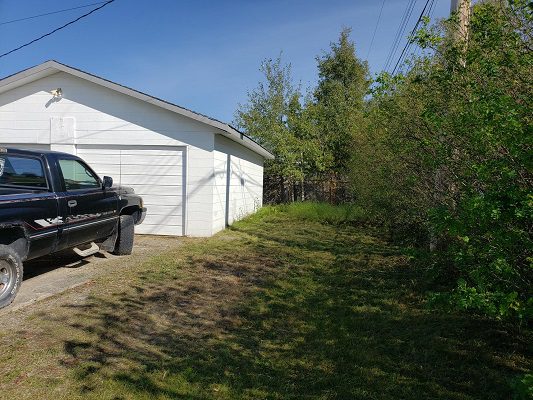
(375, 29)
(400, 32)
(431, 8)
(51, 13)
(407, 45)
(57, 29)
(396, 36)
(418, 50)
(429, 13)
(409, 42)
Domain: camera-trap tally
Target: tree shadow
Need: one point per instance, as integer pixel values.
(268, 317)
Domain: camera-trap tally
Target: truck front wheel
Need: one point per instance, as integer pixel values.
(126, 232)
(10, 274)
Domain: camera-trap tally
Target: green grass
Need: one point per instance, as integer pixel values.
(319, 212)
(292, 303)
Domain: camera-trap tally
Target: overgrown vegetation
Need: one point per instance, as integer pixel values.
(311, 134)
(447, 152)
(294, 302)
(440, 154)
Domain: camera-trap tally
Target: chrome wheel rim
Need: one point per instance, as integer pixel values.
(7, 276)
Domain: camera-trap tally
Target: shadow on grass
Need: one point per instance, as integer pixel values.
(286, 311)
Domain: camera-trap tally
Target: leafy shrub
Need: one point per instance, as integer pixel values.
(523, 387)
(447, 151)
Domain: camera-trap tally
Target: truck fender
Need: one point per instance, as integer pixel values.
(134, 211)
(15, 235)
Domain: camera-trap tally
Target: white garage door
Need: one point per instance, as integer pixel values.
(156, 174)
(27, 146)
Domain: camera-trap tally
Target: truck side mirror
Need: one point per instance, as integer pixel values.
(107, 183)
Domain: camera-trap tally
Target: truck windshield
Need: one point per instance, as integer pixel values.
(20, 171)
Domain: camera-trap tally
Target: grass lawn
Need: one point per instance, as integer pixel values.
(280, 306)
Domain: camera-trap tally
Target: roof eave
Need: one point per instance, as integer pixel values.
(50, 67)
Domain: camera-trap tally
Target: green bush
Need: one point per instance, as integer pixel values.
(447, 151)
(523, 387)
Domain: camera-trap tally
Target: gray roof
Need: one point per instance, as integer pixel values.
(50, 67)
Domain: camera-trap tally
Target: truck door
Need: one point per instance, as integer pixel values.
(91, 211)
(26, 197)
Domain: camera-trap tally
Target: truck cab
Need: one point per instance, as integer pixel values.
(51, 201)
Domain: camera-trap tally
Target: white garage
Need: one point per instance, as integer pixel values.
(196, 174)
(155, 173)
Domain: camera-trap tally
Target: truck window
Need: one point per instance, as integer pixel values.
(22, 171)
(77, 176)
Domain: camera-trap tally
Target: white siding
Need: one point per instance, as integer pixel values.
(99, 116)
(155, 173)
(238, 182)
(189, 189)
(26, 146)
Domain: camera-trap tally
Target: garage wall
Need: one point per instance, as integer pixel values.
(238, 183)
(91, 115)
(26, 146)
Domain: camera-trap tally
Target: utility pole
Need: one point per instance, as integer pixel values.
(462, 8)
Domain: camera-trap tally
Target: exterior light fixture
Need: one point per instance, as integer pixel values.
(57, 93)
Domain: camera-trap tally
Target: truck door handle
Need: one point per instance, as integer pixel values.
(72, 203)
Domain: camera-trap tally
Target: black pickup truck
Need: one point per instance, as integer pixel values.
(52, 201)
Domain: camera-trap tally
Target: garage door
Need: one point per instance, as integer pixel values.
(27, 146)
(156, 173)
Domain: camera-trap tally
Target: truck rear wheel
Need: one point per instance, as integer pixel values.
(126, 232)
(10, 274)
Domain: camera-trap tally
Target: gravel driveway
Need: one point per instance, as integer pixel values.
(47, 276)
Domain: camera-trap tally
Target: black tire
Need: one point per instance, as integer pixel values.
(126, 232)
(10, 275)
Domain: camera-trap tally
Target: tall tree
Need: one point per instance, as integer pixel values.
(339, 100)
(274, 116)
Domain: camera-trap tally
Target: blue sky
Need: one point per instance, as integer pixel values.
(203, 55)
